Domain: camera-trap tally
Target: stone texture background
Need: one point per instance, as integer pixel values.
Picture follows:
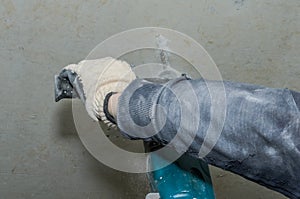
(41, 155)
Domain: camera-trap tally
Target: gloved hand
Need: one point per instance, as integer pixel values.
(92, 80)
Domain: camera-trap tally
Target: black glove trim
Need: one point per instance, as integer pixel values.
(105, 108)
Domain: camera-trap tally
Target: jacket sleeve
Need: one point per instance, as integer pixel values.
(259, 139)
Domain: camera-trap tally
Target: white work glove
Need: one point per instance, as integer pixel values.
(98, 78)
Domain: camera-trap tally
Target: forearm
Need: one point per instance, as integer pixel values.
(259, 139)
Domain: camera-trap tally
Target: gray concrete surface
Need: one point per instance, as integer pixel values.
(41, 155)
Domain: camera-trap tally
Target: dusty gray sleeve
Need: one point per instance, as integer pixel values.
(260, 139)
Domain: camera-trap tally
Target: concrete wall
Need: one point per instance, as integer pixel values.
(41, 155)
